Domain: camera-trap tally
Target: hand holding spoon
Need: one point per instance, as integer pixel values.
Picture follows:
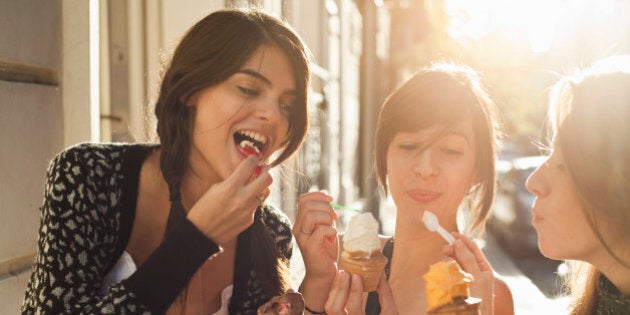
(432, 223)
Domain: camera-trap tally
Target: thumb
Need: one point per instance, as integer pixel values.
(386, 298)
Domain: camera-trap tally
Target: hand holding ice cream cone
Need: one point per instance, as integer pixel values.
(362, 251)
(447, 289)
(472, 260)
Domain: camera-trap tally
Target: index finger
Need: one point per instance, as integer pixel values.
(315, 200)
(259, 184)
(469, 249)
(245, 170)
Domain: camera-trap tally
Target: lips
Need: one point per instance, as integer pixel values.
(535, 213)
(536, 217)
(422, 195)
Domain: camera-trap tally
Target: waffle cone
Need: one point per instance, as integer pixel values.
(370, 269)
(459, 306)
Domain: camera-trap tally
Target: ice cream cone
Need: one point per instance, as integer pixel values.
(447, 287)
(370, 269)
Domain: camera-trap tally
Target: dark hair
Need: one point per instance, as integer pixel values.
(210, 52)
(589, 113)
(444, 94)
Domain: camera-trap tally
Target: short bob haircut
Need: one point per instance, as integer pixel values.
(444, 94)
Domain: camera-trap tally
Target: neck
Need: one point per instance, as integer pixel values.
(619, 275)
(611, 267)
(414, 252)
(197, 179)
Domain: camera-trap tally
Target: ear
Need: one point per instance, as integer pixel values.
(192, 100)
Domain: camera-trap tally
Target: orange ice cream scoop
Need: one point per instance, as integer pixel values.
(445, 282)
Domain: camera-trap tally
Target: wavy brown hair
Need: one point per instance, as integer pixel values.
(444, 94)
(212, 50)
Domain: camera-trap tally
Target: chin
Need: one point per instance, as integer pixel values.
(550, 251)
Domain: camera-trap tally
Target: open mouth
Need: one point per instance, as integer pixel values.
(250, 142)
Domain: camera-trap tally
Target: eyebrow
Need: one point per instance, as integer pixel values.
(443, 134)
(256, 75)
(456, 133)
(260, 77)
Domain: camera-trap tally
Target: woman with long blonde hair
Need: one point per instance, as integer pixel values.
(582, 207)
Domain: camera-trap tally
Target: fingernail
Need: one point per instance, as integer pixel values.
(341, 275)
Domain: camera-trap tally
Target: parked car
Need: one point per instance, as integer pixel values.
(511, 218)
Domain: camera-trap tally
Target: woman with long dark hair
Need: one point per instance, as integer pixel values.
(181, 227)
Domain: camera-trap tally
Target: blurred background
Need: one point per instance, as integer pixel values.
(88, 70)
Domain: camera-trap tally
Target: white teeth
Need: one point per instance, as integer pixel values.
(256, 136)
(247, 143)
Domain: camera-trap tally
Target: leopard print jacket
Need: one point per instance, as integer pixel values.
(86, 220)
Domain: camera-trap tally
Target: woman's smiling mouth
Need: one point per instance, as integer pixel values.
(250, 142)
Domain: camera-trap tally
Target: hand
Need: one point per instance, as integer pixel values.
(346, 296)
(316, 235)
(472, 260)
(386, 298)
(226, 209)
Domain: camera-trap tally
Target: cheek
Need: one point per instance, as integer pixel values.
(216, 108)
(283, 129)
(567, 235)
(395, 176)
(462, 177)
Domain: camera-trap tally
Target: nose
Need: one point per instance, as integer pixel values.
(269, 110)
(535, 182)
(425, 164)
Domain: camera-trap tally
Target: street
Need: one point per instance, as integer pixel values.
(532, 280)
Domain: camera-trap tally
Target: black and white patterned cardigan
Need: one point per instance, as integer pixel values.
(86, 220)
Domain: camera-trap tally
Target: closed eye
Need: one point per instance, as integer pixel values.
(249, 92)
(452, 151)
(407, 147)
(286, 107)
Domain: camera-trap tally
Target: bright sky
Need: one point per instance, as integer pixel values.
(540, 21)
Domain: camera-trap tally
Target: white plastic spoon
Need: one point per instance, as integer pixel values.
(433, 224)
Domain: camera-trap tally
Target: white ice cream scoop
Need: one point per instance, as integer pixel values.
(433, 224)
